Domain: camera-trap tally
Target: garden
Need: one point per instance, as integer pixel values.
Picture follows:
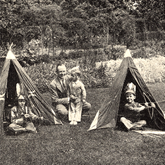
(65, 144)
(93, 35)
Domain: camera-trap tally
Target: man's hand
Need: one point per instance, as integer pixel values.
(77, 100)
(72, 97)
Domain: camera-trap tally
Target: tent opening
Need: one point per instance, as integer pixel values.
(140, 98)
(108, 116)
(10, 96)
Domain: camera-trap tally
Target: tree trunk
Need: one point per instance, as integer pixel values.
(107, 34)
(53, 42)
(42, 36)
(145, 30)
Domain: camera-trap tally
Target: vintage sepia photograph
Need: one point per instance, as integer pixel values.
(82, 82)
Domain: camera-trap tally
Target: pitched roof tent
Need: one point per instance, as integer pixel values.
(13, 73)
(107, 116)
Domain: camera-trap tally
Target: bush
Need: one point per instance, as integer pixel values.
(101, 75)
(63, 55)
(76, 54)
(140, 53)
(88, 56)
(115, 52)
(41, 74)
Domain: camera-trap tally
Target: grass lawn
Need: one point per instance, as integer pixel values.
(65, 144)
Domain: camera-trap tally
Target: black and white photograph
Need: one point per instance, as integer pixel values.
(82, 82)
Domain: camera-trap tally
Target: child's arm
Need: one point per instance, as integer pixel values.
(31, 114)
(14, 118)
(152, 105)
(136, 108)
(139, 107)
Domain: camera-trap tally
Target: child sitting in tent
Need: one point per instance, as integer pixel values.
(22, 117)
(131, 116)
(77, 94)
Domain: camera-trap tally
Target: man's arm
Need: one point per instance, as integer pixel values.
(83, 92)
(55, 97)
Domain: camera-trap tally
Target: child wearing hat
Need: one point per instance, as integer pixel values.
(77, 94)
(132, 118)
(22, 117)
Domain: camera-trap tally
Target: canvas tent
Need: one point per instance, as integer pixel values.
(13, 73)
(109, 114)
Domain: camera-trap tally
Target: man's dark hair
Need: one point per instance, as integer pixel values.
(59, 64)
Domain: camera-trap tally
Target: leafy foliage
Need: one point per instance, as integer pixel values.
(78, 23)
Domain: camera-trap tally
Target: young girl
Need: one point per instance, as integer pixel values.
(77, 94)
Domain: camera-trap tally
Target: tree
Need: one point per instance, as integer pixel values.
(10, 21)
(152, 11)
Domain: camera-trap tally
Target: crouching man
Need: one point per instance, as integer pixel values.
(22, 118)
(131, 117)
(59, 91)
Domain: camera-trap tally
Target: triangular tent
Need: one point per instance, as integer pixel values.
(108, 115)
(13, 73)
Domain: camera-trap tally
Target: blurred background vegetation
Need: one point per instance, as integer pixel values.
(80, 32)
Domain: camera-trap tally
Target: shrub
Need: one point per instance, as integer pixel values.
(140, 53)
(101, 75)
(115, 52)
(100, 55)
(41, 74)
(34, 46)
(75, 54)
(63, 55)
